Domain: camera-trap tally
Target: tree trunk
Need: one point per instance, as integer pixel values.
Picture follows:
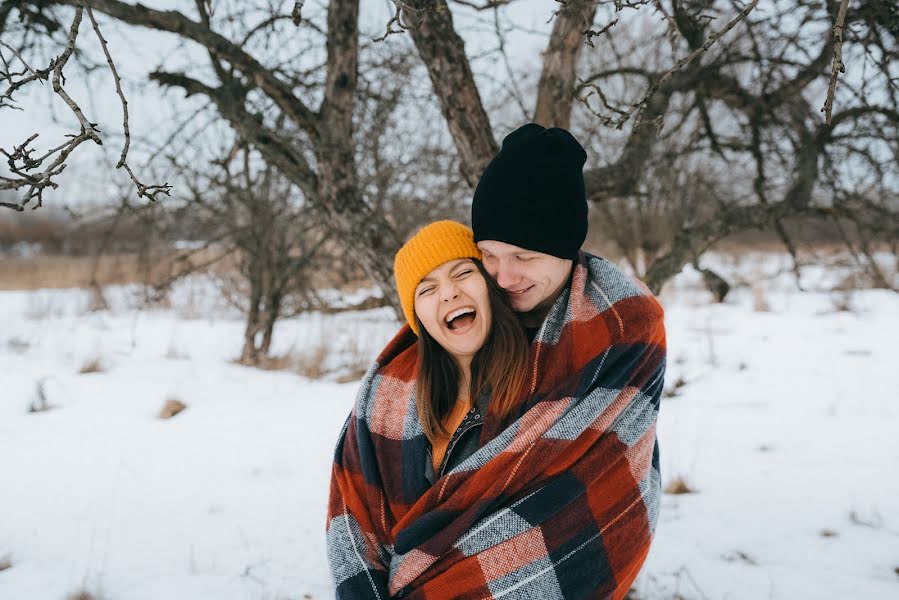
(250, 354)
(443, 53)
(555, 92)
(269, 318)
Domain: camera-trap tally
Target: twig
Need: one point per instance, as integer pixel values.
(118, 88)
(397, 20)
(604, 119)
(19, 56)
(513, 85)
(296, 14)
(485, 6)
(640, 106)
(147, 191)
(838, 66)
(590, 34)
(87, 127)
(39, 75)
(672, 25)
(20, 159)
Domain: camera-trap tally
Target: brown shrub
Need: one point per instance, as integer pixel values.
(312, 364)
(84, 595)
(93, 365)
(172, 407)
(679, 485)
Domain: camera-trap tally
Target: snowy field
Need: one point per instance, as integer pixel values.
(781, 414)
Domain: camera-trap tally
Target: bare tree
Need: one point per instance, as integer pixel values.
(250, 218)
(713, 95)
(253, 98)
(733, 106)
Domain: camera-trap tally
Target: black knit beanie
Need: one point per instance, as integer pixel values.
(532, 193)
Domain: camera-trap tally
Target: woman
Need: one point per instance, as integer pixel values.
(470, 343)
(471, 469)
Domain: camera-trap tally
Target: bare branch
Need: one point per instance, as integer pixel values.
(640, 106)
(513, 85)
(397, 20)
(838, 66)
(296, 14)
(19, 56)
(118, 88)
(487, 5)
(603, 118)
(86, 126)
(590, 33)
(20, 161)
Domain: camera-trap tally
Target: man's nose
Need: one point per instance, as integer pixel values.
(506, 276)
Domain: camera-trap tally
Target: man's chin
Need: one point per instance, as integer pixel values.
(523, 304)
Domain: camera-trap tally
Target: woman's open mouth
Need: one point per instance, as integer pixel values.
(461, 319)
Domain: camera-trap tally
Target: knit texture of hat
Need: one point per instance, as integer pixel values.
(532, 194)
(432, 246)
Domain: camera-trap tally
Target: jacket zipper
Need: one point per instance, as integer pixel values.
(449, 450)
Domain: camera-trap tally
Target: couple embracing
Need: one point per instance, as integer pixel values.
(503, 445)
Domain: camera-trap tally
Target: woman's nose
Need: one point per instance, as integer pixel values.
(448, 292)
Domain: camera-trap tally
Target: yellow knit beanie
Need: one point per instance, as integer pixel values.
(432, 246)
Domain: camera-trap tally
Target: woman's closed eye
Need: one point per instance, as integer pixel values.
(426, 290)
(463, 274)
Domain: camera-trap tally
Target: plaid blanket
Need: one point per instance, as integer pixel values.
(562, 497)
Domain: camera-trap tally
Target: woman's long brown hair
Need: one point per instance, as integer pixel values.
(499, 367)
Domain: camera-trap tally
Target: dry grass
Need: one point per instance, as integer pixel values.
(278, 362)
(827, 533)
(84, 594)
(357, 362)
(312, 363)
(172, 407)
(674, 389)
(841, 301)
(93, 365)
(66, 271)
(759, 302)
(39, 403)
(679, 485)
(57, 272)
(354, 373)
(5, 562)
(309, 364)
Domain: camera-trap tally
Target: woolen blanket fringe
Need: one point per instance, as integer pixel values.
(561, 499)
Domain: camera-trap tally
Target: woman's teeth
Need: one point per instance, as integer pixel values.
(460, 313)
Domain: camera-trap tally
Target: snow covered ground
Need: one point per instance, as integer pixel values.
(783, 421)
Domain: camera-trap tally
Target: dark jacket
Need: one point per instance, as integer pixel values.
(463, 443)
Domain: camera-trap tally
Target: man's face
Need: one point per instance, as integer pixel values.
(532, 280)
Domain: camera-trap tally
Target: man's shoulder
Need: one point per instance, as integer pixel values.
(612, 282)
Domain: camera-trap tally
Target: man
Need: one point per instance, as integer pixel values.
(529, 216)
